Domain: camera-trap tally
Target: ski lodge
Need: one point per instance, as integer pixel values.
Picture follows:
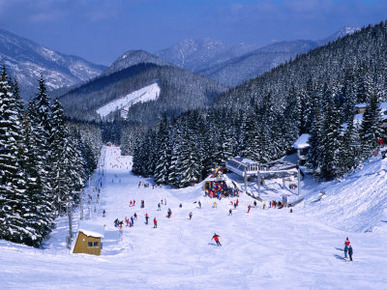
(88, 240)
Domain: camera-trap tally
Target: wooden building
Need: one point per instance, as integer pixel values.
(89, 239)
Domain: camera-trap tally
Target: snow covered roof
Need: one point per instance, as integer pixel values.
(242, 166)
(382, 106)
(91, 230)
(302, 141)
(361, 105)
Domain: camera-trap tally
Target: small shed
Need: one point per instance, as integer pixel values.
(88, 240)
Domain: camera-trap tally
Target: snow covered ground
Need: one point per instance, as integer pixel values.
(263, 249)
(148, 93)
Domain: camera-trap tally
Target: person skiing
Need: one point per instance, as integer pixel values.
(104, 213)
(350, 252)
(230, 211)
(135, 216)
(146, 218)
(190, 215)
(215, 237)
(159, 207)
(248, 208)
(200, 204)
(345, 250)
(169, 213)
(154, 223)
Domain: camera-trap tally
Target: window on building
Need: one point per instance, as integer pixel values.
(96, 245)
(89, 244)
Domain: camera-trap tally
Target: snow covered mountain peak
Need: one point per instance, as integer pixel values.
(134, 57)
(26, 61)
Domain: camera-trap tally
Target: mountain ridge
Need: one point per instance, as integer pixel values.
(26, 60)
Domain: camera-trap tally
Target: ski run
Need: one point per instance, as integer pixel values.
(261, 249)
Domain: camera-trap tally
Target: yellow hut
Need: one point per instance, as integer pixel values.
(88, 239)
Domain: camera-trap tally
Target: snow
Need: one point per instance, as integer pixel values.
(91, 229)
(263, 249)
(302, 142)
(143, 95)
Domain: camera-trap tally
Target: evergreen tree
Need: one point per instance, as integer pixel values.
(370, 130)
(13, 198)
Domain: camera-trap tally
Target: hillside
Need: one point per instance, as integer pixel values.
(235, 71)
(269, 248)
(26, 61)
(180, 91)
(233, 64)
(197, 54)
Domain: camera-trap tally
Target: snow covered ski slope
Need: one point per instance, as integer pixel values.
(145, 94)
(262, 249)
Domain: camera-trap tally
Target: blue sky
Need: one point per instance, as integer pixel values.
(101, 30)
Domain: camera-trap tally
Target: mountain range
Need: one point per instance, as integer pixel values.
(233, 64)
(26, 61)
(79, 80)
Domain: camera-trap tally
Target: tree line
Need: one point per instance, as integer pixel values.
(316, 93)
(44, 162)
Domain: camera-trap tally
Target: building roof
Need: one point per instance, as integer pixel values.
(91, 230)
(302, 141)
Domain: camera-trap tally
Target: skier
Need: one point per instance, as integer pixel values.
(159, 207)
(132, 220)
(104, 213)
(216, 239)
(154, 223)
(248, 208)
(350, 252)
(169, 213)
(135, 216)
(346, 245)
(230, 211)
(146, 218)
(200, 204)
(130, 203)
(190, 215)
